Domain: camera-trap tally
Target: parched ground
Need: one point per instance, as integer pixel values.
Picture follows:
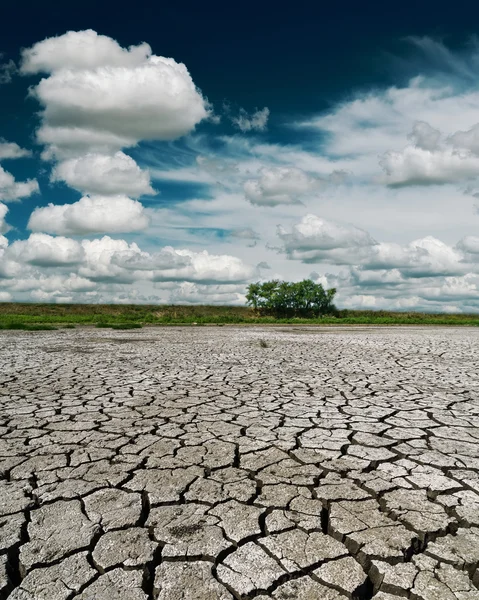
(195, 464)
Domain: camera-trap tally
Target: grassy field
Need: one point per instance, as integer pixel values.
(48, 316)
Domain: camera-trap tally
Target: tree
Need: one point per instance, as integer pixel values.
(290, 299)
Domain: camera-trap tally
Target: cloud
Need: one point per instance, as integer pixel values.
(99, 91)
(468, 140)
(71, 142)
(91, 214)
(424, 136)
(12, 190)
(173, 264)
(256, 121)
(425, 257)
(12, 150)
(245, 233)
(46, 251)
(318, 240)
(5, 296)
(107, 259)
(379, 122)
(3, 224)
(104, 175)
(81, 50)
(7, 70)
(279, 185)
(469, 245)
(192, 293)
(415, 166)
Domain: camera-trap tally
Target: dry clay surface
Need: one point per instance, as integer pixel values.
(195, 464)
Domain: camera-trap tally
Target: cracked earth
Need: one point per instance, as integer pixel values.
(195, 464)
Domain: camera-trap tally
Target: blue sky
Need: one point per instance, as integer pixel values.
(175, 154)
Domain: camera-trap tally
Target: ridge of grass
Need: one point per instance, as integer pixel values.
(132, 316)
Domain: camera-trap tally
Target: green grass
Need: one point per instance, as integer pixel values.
(119, 325)
(34, 316)
(26, 327)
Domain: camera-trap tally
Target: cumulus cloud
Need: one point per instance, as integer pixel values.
(466, 140)
(256, 121)
(104, 175)
(81, 50)
(424, 136)
(97, 90)
(279, 185)
(107, 259)
(12, 150)
(415, 166)
(3, 224)
(428, 162)
(91, 214)
(318, 240)
(469, 245)
(71, 142)
(46, 251)
(171, 264)
(425, 257)
(12, 190)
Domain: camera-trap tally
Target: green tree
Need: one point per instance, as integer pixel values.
(290, 299)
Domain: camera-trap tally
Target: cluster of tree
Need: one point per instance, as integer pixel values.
(285, 299)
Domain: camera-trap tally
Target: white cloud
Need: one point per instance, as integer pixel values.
(104, 175)
(91, 214)
(424, 136)
(71, 142)
(256, 121)
(107, 259)
(5, 296)
(81, 50)
(468, 140)
(318, 240)
(171, 264)
(192, 293)
(3, 224)
(12, 150)
(46, 251)
(424, 257)
(469, 245)
(96, 89)
(11, 190)
(280, 185)
(428, 163)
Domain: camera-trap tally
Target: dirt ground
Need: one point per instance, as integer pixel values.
(221, 462)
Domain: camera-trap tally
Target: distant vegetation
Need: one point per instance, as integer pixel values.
(284, 299)
(34, 316)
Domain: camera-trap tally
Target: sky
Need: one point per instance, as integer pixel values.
(176, 153)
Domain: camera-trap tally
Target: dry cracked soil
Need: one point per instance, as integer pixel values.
(197, 464)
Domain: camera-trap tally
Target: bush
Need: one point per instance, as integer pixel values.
(283, 299)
